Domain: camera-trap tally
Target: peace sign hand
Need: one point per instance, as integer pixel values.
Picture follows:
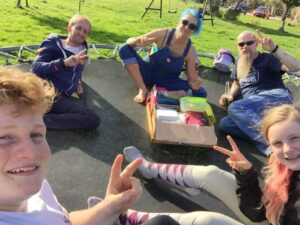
(266, 43)
(79, 58)
(123, 190)
(236, 160)
(146, 41)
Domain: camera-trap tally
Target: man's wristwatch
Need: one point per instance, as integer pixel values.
(275, 49)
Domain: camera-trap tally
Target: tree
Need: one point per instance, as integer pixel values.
(237, 4)
(275, 5)
(79, 5)
(19, 4)
(288, 5)
(232, 14)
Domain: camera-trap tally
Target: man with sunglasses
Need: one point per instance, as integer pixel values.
(257, 77)
(173, 49)
(60, 59)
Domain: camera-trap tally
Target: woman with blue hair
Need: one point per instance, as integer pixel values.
(173, 48)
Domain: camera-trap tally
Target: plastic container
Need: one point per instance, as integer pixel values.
(192, 104)
(223, 60)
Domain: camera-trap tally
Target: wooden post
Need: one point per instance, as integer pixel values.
(206, 2)
(149, 8)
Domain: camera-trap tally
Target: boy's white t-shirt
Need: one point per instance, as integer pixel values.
(74, 50)
(43, 209)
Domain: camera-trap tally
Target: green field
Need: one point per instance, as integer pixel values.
(113, 21)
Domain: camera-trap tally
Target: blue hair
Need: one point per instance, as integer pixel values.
(197, 14)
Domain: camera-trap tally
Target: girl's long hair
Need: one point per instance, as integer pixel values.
(277, 181)
(275, 192)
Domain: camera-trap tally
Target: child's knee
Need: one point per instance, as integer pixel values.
(125, 51)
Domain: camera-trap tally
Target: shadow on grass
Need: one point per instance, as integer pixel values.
(265, 30)
(96, 34)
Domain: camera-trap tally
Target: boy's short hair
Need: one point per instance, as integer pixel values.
(25, 89)
(77, 17)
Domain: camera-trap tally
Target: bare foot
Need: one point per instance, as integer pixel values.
(141, 96)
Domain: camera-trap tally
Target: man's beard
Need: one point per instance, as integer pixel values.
(243, 66)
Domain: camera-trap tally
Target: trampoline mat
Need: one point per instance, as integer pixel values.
(81, 160)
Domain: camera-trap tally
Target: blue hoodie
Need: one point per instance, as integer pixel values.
(49, 65)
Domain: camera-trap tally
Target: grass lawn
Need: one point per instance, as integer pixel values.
(113, 21)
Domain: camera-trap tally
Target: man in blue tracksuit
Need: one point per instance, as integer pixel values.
(61, 60)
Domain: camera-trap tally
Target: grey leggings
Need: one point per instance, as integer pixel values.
(208, 178)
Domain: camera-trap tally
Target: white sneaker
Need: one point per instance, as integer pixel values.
(131, 153)
(92, 201)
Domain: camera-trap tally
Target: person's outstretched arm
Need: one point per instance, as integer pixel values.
(248, 190)
(47, 61)
(123, 191)
(289, 62)
(192, 73)
(155, 36)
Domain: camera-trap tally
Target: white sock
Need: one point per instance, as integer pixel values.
(173, 173)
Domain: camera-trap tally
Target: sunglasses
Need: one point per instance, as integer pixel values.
(191, 26)
(248, 43)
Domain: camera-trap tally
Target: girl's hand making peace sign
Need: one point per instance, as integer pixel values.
(236, 159)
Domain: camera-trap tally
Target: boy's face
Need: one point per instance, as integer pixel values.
(24, 156)
(78, 32)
